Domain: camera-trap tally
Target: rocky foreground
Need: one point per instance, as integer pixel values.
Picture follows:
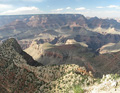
(19, 73)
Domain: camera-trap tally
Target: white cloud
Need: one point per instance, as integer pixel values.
(60, 9)
(22, 10)
(104, 13)
(99, 7)
(81, 8)
(5, 7)
(114, 6)
(68, 8)
(57, 10)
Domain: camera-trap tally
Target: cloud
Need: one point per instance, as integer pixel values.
(81, 8)
(101, 14)
(99, 7)
(68, 8)
(57, 10)
(60, 9)
(22, 10)
(5, 7)
(114, 6)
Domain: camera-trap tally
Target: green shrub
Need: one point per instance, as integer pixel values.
(115, 76)
(78, 89)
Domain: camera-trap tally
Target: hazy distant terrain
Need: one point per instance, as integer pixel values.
(52, 27)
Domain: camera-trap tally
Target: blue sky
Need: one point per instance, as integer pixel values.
(99, 8)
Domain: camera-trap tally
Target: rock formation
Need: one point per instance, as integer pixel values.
(19, 74)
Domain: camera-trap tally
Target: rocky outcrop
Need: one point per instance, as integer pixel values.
(108, 84)
(13, 47)
(24, 43)
(12, 77)
(64, 54)
(62, 19)
(73, 20)
(37, 50)
(109, 48)
(97, 40)
(72, 41)
(14, 28)
(76, 54)
(18, 76)
(103, 23)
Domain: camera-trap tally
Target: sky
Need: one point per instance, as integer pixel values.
(90, 8)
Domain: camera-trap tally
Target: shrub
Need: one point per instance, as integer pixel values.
(78, 89)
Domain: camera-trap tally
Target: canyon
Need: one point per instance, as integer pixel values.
(56, 53)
